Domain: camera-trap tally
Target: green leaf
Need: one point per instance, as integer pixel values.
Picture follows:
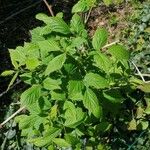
(47, 138)
(32, 121)
(143, 125)
(119, 52)
(58, 96)
(113, 96)
(61, 142)
(53, 113)
(77, 24)
(74, 116)
(145, 87)
(48, 46)
(102, 62)
(18, 56)
(100, 38)
(36, 34)
(108, 2)
(31, 95)
(91, 102)
(71, 139)
(132, 125)
(51, 84)
(7, 73)
(56, 24)
(96, 81)
(75, 90)
(81, 6)
(32, 63)
(13, 80)
(55, 64)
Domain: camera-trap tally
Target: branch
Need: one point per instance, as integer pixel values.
(11, 117)
(138, 71)
(108, 45)
(49, 7)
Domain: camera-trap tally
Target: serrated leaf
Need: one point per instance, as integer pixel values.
(113, 96)
(132, 125)
(119, 52)
(55, 64)
(48, 46)
(100, 38)
(61, 142)
(18, 56)
(74, 116)
(32, 63)
(7, 73)
(91, 102)
(31, 95)
(53, 113)
(58, 96)
(75, 90)
(12, 80)
(32, 121)
(71, 139)
(80, 6)
(56, 24)
(36, 34)
(102, 62)
(77, 24)
(51, 84)
(145, 87)
(96, 81)
(47, 138)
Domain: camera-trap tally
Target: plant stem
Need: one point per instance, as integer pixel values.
(49, 7)
(12, 116)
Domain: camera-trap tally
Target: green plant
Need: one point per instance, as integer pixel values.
(76, 90)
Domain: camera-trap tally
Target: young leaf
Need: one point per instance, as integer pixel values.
(119, 52)
(75, 90)
(96, 81)
(58, 96)
(81, 6)
(77, 24)
(48, 46)
(32, 63)
(61, 142)
(102, 62)
(55, 64)
(99, 38)
(7, 73)
(145, 87)
(90, 101)
(51, 84)
(108, 2)
(74, 116)
(56, 24)
(113, 96)
(47, 138)
(31, 95)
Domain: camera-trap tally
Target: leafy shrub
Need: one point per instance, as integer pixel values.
(76, 89)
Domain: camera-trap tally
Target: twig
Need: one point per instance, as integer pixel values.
(87, 16)
(12, 116)
(18, 12)
(110, 44)
(5, 92)
(146, 75)
(49, 7)
(140, 74)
